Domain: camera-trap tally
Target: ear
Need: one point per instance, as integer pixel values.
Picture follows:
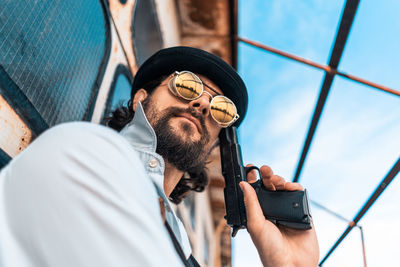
(140, 95)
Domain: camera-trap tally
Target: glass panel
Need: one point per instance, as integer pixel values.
(381, 227)
(53, 51)
(355, 145)
(372, 49)
(146, 30)
(356, 142)
(282, 96)
(122, 92)
(348, 253)
(304, 28)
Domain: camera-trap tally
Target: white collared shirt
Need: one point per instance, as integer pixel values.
(84, 195)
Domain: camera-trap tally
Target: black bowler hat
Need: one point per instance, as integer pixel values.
(180, 58)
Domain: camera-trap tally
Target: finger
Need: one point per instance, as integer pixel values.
(255, 216)
(278, 182)
(293, 186)
(266, 175)
(252, 175)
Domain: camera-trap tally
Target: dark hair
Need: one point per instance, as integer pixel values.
(195, 179)
(122, 115)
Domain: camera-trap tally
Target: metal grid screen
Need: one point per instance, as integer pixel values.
(53, 51)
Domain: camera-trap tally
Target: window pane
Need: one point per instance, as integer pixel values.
(355, 145)
(122, 92)
(282, 97)
(146, 30)
(304, 28)
(372, 51)
(53, 51)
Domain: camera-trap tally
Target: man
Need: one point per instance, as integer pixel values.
(85, 195)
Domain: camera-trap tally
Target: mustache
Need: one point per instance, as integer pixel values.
(175, 111)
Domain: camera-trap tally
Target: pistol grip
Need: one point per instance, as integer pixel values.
(287, 208)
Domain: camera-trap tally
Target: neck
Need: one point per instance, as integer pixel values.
(171, 177)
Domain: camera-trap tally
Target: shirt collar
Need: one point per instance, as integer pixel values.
(139, 132)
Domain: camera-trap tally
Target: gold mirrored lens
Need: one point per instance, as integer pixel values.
(223, 110)
(188, 85)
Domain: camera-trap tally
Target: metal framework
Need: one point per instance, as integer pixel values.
(331, 70)
(346, 21)
(347, 221)
(378, 191)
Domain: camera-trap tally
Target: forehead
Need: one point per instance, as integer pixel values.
(211, 84)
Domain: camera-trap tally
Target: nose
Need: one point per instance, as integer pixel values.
(202, 104)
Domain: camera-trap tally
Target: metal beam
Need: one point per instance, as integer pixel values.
(374, 196)
(346, 22)
(337, 215)
(234, 6)
(316, 65)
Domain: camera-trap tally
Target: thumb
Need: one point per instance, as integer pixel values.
(255, 216)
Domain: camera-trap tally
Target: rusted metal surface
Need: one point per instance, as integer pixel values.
(14, 133)
(204, 17)
(218, 45)
(325, 68)
(206, 25)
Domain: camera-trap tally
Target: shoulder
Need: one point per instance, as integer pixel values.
(80, 162)
(84, 138)
(81, 150)
(78, 132)
(87, 177)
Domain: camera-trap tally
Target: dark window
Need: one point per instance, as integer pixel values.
(191, 205)
(54, 51)
(120, 91)
(145, 30)
(206, 247)
(4, 158)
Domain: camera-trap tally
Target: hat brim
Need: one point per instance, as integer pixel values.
(180, 58)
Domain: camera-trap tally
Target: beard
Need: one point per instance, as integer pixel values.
(185, 155)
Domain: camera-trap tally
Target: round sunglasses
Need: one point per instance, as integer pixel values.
(189, 86)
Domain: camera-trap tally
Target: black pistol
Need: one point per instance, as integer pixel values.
(288, 208)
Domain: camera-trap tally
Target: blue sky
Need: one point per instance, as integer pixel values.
(358, 137)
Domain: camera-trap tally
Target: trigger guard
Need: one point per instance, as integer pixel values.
(249, 169)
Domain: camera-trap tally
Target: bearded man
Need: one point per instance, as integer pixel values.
(86, 195)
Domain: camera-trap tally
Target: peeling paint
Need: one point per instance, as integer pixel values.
(15, 135)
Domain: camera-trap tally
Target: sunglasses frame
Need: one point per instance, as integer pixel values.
(174, 91)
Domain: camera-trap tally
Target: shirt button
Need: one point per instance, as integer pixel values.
(153, 163)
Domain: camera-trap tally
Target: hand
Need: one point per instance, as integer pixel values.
(277, 245)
